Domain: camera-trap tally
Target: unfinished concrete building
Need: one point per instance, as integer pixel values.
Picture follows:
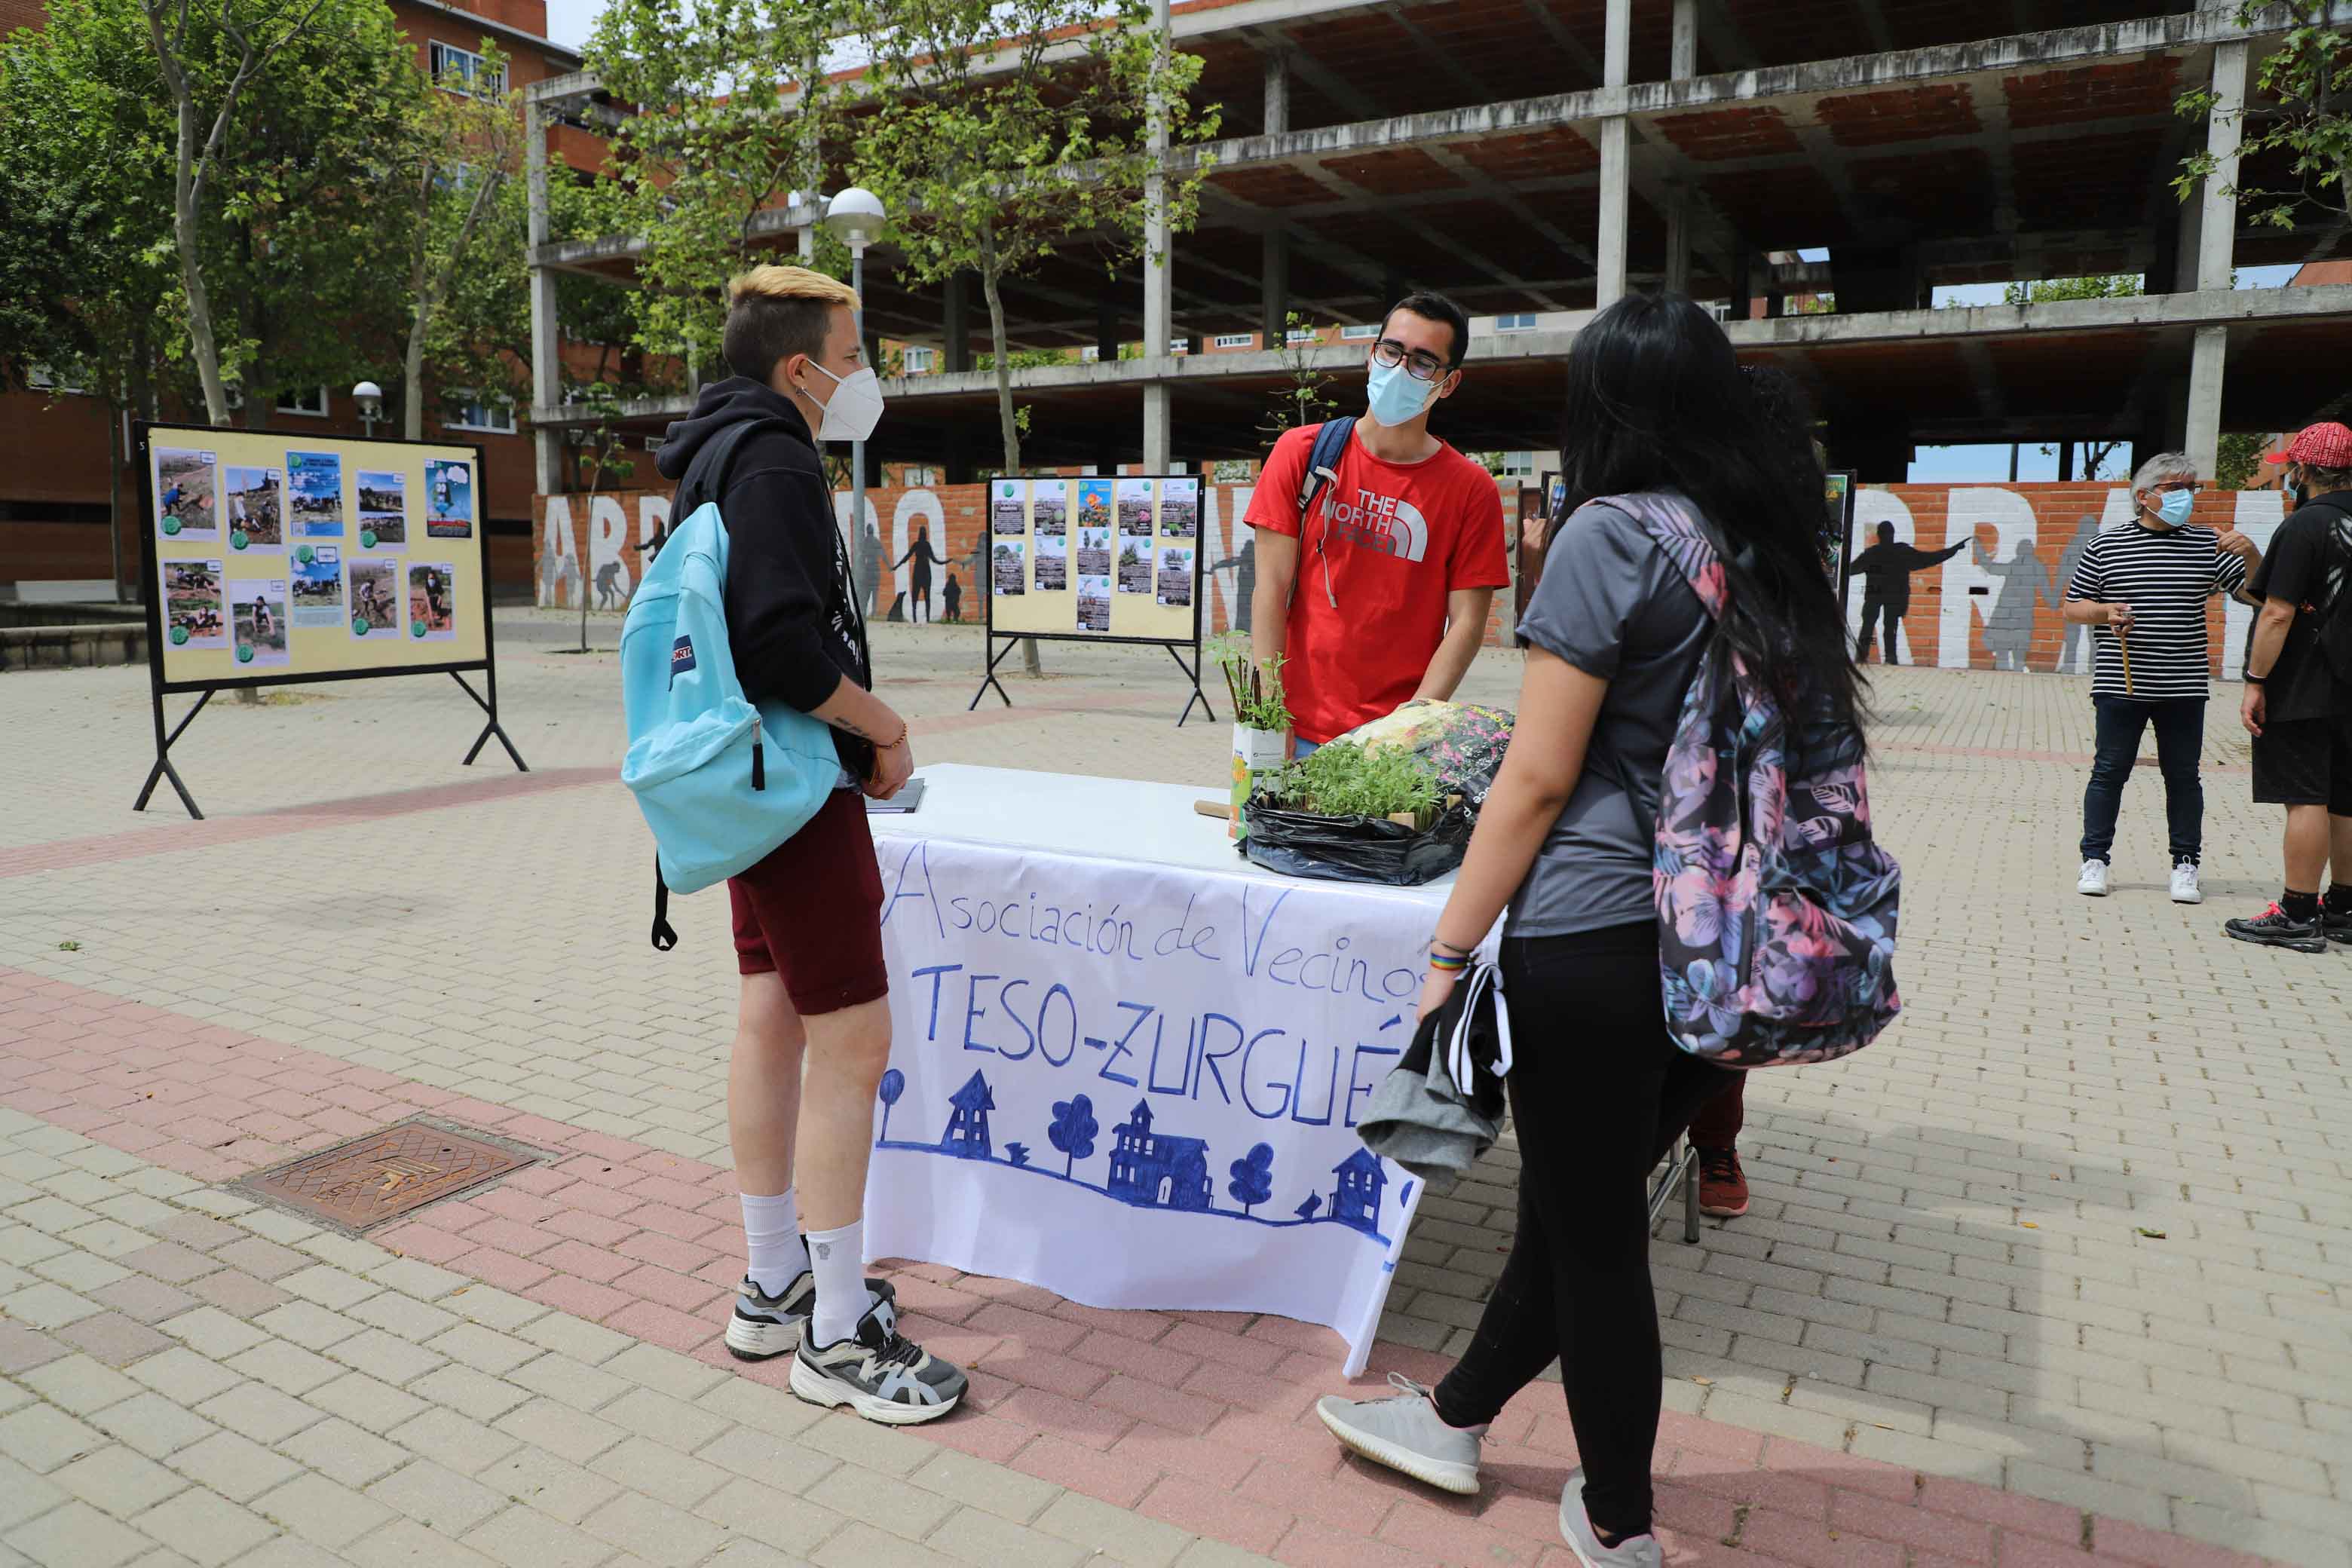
(1547, 156)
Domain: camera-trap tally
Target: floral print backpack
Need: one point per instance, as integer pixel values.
(1776, 908)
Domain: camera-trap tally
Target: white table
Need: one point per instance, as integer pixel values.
(1127, 1062)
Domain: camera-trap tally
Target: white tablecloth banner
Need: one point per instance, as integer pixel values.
(1137, 1085)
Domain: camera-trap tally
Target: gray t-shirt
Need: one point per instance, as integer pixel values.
(1612, 605)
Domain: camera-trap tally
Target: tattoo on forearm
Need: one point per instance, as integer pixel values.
(847, 727)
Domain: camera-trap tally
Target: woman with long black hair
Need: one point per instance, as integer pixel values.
(1656, 402)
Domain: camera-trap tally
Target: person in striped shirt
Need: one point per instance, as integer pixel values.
(2142, 590)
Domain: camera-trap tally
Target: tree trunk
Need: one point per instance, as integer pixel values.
(185, 191)
(1006, 427)
(412, 362)
(588, 531)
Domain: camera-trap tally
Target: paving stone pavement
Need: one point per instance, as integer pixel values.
(1945, 1332)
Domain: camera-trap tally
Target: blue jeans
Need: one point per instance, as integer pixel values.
(1301, 750)
(2180, 734)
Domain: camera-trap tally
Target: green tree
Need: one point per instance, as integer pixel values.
(713, 149)
(1002, 131)
(463, 141)
(2241, 457)
(2299, 120)
(1304, 397)
(2099, 286)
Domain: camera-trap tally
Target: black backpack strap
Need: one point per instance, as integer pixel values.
(1323, 460)
(705, 478)
(665, 935)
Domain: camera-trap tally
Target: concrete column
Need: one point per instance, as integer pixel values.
(1277, 94)
(546, 340)
(1616, 55)
(1274, 287)
(1158, 284)
(1683, 65)
(2217, 232)
(2218, 211)
(1684, 58)
(955, 322)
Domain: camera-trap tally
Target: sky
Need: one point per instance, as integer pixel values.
(568, 21)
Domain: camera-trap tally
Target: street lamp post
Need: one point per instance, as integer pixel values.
(370, 397)
(856, 216)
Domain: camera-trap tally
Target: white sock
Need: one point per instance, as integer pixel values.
(839, 1258)
(771, 1231)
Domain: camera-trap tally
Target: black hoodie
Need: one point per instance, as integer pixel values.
(792, 621)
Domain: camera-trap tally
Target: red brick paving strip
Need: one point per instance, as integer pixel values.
(1202, 1419)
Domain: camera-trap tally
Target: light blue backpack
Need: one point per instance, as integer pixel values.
(721, 782)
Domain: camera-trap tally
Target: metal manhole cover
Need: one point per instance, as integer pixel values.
(361, 1183)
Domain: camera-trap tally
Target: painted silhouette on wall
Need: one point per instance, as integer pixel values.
(1886, 571)
(2022, 585)
(924, 557)
(2070, 661)
(1245, 565)
(1158, 1170)
(869, 569)
(967, 1134)
(1356, 1200)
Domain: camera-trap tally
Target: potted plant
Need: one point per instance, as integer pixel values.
(1261, 721)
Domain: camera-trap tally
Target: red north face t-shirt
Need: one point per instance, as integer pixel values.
(1399, 537)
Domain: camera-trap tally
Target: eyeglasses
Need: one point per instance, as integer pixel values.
(1419, 364)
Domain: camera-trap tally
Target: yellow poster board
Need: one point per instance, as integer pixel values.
(1115, 559)
(276, 557)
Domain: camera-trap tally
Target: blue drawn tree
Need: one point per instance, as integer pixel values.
(894, 1084)
(1073, 1128)
(1252, 1180)
(1307, 1209)
(1018, 1154)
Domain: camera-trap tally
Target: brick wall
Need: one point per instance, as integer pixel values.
(1996, 607)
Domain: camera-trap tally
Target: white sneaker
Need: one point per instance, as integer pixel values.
(1404, 1433)
(2184, 890)
(2094, 880)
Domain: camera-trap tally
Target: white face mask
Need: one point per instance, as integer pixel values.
(855, 406)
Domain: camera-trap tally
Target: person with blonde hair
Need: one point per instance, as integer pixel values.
(813, 1032)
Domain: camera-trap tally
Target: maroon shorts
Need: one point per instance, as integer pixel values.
(811, 911)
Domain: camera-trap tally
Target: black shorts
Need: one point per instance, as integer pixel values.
(2305, 762)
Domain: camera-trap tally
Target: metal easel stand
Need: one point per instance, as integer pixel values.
(163, 768)
(1682, 1171)
(1191, 673)
(490, 681)
(988, 680)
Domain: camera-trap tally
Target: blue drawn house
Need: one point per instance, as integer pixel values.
(1356, 1200)
(967, 1134)
(1158, 1170)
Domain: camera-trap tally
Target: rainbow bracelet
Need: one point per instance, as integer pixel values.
(1448, 961)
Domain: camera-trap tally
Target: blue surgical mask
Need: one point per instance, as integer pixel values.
(2175, 508)
(1396, 397)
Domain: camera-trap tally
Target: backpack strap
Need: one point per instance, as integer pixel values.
(1323, 460)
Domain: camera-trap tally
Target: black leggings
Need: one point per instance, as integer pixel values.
(1595, 1107)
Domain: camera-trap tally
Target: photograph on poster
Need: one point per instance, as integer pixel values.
(1094, 552)
(1049, 506)
(1179, 508)
(1135, 507)
(384, 509)
(432, 601)
(448, 498)
(193, 613)
(259, 611)
(1094, 503)
(257, 508)
(315, 482)
(1094, 604)
(1007, 569)
(318, 585)
(1007, 515)
(375, 597)
(186, 486)
(1176, 575)
(1052, 564)
(1135, 566)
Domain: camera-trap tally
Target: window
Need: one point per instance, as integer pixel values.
(310, 400)
(1517, 465)
(41, 378)
(477, 414)
(1524, 321)
(1719, 309)
(916, 474)
(462, 70)
(1363, 333)
(1236, 340)
(1179, 345)
(921, 361)
(1303, 335)
(1090, 354)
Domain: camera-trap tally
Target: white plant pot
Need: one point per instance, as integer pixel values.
(1255, 752)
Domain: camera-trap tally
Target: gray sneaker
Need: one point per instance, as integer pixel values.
(1635, 1552)
(763, 1326)
(1406, 1433)
(879, 1373)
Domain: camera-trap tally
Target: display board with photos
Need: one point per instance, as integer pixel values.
(1111, 558)
(277, 557)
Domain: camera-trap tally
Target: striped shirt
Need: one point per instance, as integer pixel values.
(2165, 575)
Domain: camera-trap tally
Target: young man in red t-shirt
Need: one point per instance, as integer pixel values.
(1395, 563)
